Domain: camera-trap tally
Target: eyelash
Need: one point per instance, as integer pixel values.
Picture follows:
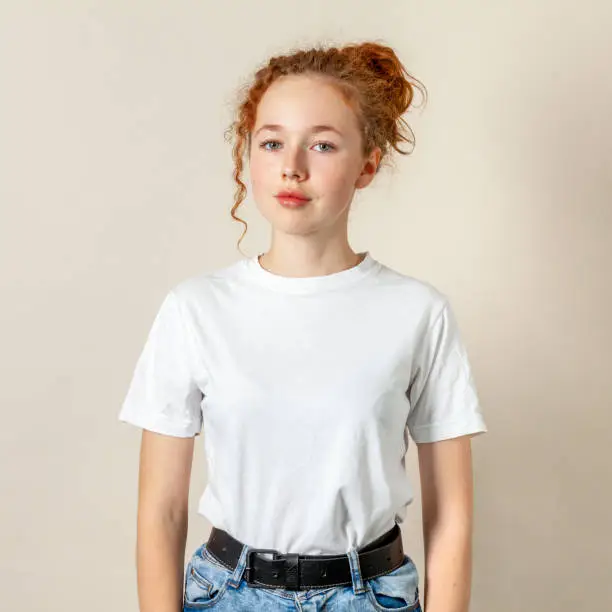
(328, 144)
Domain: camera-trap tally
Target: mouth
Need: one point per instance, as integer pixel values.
(292, 200)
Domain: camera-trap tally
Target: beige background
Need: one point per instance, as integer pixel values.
(115, 184)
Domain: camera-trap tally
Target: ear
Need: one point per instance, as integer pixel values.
(369, 169)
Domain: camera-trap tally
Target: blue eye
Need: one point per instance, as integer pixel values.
(327, 144)
(266, 142)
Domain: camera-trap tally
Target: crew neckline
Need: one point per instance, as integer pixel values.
(310, 284)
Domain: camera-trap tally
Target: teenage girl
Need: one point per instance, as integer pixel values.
(307, 367)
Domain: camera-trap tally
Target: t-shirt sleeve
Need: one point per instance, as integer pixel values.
(163, 395)
(442, 394)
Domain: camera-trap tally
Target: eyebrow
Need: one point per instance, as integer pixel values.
(315, 129)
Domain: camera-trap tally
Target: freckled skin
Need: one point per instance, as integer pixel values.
(328, 175)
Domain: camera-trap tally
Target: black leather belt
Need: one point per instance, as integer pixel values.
(292, 571)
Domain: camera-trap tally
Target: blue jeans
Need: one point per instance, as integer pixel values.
(210, 584)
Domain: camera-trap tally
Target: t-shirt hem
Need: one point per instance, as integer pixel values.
(447, 430)
(158, 426)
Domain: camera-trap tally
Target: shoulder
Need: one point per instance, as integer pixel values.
(207, 285)
(418, 295)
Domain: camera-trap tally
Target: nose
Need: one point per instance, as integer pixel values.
(294, 164)
(289, 174)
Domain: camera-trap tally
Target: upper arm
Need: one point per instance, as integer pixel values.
(164, 474)
(442, 392)
(166, 390)
(445, 469)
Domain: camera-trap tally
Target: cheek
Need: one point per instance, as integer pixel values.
(262, 165)
(337, 178)
(263, 179)
(256, 175)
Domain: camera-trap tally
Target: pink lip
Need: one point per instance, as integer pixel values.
(293, 196)
(292, 200)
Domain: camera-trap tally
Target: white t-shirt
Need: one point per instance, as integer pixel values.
(306, 390)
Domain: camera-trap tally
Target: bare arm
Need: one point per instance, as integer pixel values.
(447, 504)
(163, 492)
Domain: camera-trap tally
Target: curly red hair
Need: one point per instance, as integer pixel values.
(370, 77)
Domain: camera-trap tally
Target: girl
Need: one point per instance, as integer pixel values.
(307, 366)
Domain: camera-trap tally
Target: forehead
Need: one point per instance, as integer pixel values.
(299, 101)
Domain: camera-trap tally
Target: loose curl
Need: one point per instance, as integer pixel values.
(369, 76)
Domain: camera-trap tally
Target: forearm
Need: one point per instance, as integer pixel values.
(448, 566)
(160, 554)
